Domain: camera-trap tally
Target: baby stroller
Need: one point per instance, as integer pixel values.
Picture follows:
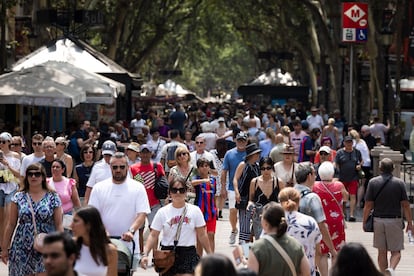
(125, 256)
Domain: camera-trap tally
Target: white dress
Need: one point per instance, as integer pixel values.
(86, 266)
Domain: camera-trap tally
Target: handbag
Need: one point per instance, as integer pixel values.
(38, 237)
(361, 174)
(165, 259)
(282, 253)
(160, 185)
(242, 205)
(368, 225)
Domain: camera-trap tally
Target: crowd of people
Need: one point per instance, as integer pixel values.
(283, 171)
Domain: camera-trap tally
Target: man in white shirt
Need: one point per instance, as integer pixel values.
(36, 156)
(156, 144)
(136, 125)
(101, 170)
(201, 152)
(121, 201)
(315, 120)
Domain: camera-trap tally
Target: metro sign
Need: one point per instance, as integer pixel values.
(354, 22)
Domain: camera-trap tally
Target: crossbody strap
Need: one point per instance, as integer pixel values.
(382, 187)
(326, 188)
(33, 214)
(282, 253)
(180, 223)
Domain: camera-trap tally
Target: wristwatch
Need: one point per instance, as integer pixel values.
(131, 230)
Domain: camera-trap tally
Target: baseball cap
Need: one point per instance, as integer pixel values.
(108, 147)
(348, 138)
(221, 119)
(5, 136)
(292, 110)
(146, 147)
(325, 149)
(241, 135)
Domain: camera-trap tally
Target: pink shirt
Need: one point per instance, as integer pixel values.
(64, 190)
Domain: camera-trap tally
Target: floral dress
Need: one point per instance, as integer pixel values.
(331, 198)
(305, 229)
(23, 259)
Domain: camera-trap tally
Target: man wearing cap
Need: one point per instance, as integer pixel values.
(325, 155)
(349, 161)
(231, 160)
(144, 172)
(292, 118)
(101, 170)
(314, 119)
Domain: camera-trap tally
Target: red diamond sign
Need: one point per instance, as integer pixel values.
(355, 15)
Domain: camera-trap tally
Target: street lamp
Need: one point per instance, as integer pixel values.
(386, 37)
(343, 53)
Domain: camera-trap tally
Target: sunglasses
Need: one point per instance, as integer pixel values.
(182, 153)
(57, 144)
(175, 190)
(115, 167)
(37, 143)
(266, 168)
(3, 142)
(323, 153)
(35, 174)
(15, 145)
(199, 142)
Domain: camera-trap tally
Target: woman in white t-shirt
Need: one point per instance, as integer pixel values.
(98, 256)
(193, 227)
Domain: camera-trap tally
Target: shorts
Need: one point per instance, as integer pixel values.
(6, 198)
(231, 196)
(351, 186)
(211, 225)
(388, 234)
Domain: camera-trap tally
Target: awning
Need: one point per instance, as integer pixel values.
(24, 88)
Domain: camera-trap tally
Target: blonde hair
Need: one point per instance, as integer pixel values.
(331, 121)
(180, 150)
(354, 134)
(289, 199)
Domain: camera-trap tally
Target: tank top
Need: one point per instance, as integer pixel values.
(260, 197)
(87, 266)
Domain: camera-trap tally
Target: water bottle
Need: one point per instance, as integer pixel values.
(410, 237)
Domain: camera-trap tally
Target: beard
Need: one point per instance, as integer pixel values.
(119, 178)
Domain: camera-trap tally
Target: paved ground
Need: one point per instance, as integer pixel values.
(354, 233)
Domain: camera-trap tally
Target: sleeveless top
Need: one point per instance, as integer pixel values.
(250, 171)
(260, 197)
(86, 265)
(83, 173)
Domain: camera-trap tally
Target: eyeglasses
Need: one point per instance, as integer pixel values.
(182, 153)
(37, 143)
(266, 168)
(175, 190)
(34, 174)
(115, 167)
(3, 142)
(15, 145)
(198, 142)
(90, 152)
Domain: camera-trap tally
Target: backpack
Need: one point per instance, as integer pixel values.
(171, 162)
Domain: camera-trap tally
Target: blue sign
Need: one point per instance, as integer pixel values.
(361, 35)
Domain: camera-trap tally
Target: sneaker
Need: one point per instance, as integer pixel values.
(352, 219)
(390, 271)
(233, 237)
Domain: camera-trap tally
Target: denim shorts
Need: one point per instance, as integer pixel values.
(6, 198)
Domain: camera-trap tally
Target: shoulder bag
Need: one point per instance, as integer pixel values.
(165, 259)
(160, 185)
(368, 225)
(282, 253)
(38, 237)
